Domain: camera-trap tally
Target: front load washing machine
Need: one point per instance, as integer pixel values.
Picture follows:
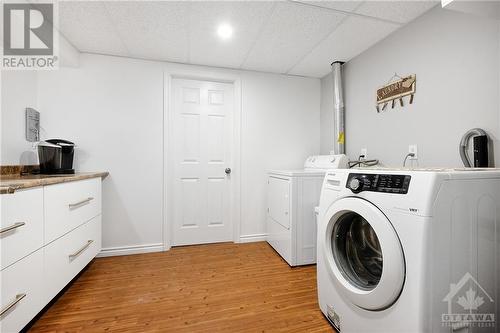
(410, 250)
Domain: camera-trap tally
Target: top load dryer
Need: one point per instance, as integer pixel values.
(292, 196)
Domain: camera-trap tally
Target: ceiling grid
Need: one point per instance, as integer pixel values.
(295, 37)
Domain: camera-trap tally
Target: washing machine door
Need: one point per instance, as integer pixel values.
(363, 253)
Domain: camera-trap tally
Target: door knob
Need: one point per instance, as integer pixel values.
(227, 171)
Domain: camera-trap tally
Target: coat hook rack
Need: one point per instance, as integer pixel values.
(396, 88)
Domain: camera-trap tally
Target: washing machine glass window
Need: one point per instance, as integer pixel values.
(356, 251)
(363, 253)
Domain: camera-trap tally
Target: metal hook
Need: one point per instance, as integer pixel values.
(395, 76)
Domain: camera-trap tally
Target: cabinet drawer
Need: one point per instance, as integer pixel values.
(69, 205)
(67, 256)
(21, 225)
(22, 292)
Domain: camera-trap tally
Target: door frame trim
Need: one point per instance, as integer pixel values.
(235, 213)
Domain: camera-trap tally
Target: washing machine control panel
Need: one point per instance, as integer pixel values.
(398, 184)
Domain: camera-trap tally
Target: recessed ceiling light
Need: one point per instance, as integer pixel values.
(225, 31)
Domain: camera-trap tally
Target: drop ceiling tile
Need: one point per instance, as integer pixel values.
(291, 32)
(152, 29)
(346, 6)
(396, 11)
(246, 18)
(87, 26)
(353, 36)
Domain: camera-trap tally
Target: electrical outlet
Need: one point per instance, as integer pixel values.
(412, 149)
(364, 152)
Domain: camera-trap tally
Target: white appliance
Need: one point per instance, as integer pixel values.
(292, 196)
(410, 250)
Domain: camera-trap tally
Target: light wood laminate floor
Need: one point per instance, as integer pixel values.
(205, 288)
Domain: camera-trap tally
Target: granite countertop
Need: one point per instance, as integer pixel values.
(11, 183)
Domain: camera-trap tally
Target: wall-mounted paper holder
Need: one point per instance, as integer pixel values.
(32, 125)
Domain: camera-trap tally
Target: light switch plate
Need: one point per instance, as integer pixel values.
(32, 125)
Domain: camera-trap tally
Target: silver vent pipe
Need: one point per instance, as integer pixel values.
(339, 109)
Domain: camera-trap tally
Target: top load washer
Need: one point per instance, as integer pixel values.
(410, 250)
(292, 196)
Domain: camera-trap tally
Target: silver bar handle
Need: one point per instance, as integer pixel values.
(9, 306)
(12, 227)
(10, 188)
(77, 253)
(79, 203)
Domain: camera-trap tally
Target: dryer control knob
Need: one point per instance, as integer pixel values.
(356, 185)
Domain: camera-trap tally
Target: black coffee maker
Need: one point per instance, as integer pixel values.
(56, 156)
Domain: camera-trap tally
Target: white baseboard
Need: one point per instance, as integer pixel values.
(159, 247)
(253, 238)
(126, 250)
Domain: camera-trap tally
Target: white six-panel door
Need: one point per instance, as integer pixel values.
(202, 134)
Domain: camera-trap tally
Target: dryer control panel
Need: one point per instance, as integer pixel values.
(398, 184)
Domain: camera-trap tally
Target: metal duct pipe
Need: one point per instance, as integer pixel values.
(339, 109)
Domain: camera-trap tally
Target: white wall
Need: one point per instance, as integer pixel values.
(456, 60)
(19, 91)
(280, 122)
(113, 109)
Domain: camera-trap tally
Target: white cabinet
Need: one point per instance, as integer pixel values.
(68, 255)
(21, 225)
(69, 205)
(48, 235)
(22, 292)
